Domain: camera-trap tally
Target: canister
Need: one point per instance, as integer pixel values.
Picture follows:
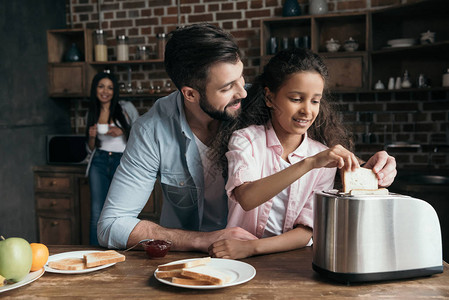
(161, 40)
(446, 79)
(122, 48)
(142, 53)
(101, 50)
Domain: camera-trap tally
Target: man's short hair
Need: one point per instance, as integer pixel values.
(191, 50)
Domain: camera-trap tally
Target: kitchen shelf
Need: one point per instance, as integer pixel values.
(356, 72)
(129, 62)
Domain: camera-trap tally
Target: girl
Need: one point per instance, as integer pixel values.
(108, 147)
(281, 156)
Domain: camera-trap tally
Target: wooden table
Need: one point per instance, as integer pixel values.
(287, 275)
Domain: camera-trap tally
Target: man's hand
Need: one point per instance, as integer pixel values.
(234, 233)
(384, 166)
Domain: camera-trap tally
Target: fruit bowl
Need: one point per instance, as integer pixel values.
(157, 248)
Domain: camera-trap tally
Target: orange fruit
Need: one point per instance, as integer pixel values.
(40, 256)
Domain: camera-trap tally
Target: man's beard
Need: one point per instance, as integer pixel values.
(217, 114)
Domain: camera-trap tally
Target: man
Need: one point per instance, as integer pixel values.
(170, 141)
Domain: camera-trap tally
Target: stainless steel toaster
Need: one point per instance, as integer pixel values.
(372, 238)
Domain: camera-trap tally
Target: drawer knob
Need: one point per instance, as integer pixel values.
(54, 223)
(53, 203)
(53, 182)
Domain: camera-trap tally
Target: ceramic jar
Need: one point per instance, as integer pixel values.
(317, 7)
(291, 8)
(332, 45)
(351, 45)
(427, 37)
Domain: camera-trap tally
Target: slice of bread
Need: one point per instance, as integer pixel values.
(72, 264)
(206, 273)
(169, 274)
(96, 259)
(189, 281)
(382, 191)
(360, 179)
(188, 264)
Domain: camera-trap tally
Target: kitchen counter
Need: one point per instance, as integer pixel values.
(286, 275)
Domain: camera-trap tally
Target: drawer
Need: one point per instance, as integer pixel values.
(57, 231)
(53, 184)
(60, 204)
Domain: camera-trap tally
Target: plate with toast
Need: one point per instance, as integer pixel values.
(77, 262)
(205, 273)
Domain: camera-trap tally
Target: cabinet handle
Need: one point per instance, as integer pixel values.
(53, 203)
(53, 182)
(54, 223)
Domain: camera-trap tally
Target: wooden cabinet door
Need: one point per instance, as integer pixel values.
(57, 231)
(66, 80)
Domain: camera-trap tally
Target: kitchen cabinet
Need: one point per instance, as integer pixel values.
(374, 60)
(61, 193)
(62, 198)
(73, 79)
(69, 79)
(409, 21)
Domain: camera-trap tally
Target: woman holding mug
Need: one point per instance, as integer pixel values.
(108, 125)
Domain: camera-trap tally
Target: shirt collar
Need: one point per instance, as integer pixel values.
(182, 116)
(273, 142)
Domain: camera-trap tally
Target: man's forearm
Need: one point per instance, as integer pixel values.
(182, 240)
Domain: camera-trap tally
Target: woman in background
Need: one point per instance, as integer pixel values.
(106, 146)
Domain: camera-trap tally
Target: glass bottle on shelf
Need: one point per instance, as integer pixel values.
(101, 50)
(122, 48)
(161, 40)
(142, 53)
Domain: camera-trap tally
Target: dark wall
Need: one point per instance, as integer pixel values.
(27, 114)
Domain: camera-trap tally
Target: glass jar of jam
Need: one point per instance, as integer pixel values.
(157, 248)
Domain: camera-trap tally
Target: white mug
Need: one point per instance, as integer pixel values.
(102, 128)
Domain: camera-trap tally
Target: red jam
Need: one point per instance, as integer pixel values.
(157, 248)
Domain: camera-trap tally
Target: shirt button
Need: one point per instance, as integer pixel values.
(181, 183)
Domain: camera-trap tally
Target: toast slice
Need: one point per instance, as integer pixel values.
(96, 259)
(382, 191)
(168, 274)
(189, 281)
(71, 264)
(360, 179)
(188, 264)
(206, 273)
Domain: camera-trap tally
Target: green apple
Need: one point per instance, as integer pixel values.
(15, 258)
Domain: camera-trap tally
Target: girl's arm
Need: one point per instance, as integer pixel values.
(252, 194)
(235, 249)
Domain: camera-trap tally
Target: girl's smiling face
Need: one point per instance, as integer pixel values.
(295, 106)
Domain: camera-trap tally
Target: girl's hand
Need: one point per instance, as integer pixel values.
(114, 131)
(337, 156)
(93, 131)
(232, 249)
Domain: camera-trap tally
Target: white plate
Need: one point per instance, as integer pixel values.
(401, 42)
(238, 271)
(73, 254)
(32, 276)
